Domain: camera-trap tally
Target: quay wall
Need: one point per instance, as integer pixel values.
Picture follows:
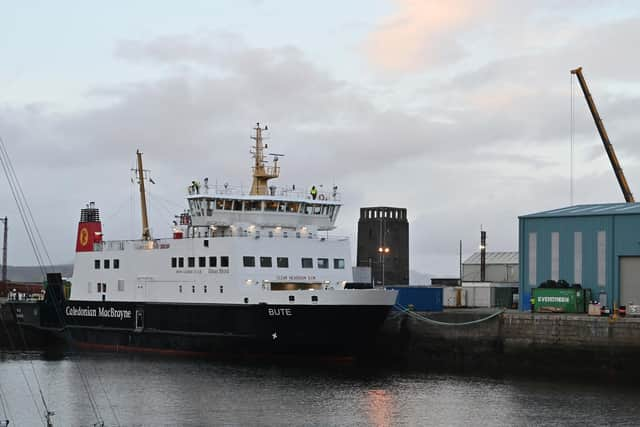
(528, 343)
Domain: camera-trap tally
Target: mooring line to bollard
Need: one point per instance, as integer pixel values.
(439, 323)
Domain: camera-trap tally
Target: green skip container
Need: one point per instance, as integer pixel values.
(560, 300)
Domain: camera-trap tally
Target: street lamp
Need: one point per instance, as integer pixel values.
(383, 250)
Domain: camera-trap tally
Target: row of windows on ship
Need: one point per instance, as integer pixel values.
(250, 261)
(203, 207)
(247, 261)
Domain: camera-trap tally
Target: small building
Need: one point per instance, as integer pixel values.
(383, 244)
(596, 246)
(500, 267)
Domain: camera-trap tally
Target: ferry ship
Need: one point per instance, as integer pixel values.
(252, 271)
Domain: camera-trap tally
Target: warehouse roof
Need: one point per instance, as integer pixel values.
(589, 210)
(494, 258)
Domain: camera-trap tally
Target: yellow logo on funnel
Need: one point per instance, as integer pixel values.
(84, 236)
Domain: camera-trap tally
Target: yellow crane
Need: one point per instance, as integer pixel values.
(617, 169)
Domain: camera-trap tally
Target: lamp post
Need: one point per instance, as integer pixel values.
(383, 250)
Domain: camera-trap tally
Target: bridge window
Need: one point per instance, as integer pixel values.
(181, 262)
(213, 261)
(249, 261)
(323, 262)
(282, 262)
(237, 205)
(116, 264)
(338, 263)
(107, 264)
(96, 264)
(174, 262)
(253, 205)
(224, 261)
(270, 206)
(202, 261)
(191, 261)
(293, 207)
(265, 261)
(307, 262)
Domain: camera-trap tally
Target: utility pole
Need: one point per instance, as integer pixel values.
(4, 250)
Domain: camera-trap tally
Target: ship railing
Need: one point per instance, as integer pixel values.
(286, 192)
(262, 234)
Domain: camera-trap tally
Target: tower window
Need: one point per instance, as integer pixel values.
(307, 262)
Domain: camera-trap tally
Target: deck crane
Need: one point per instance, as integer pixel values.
(617, 169)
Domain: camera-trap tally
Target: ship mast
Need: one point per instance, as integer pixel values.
(146, 234)
(261, 173)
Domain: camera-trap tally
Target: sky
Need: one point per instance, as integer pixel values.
(460, 111)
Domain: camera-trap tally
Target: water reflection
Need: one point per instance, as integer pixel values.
(144, 390)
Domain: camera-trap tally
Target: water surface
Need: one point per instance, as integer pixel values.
(143, 390)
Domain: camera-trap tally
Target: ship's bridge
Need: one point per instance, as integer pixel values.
(223, 206)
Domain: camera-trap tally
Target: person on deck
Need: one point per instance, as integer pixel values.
(314, 192)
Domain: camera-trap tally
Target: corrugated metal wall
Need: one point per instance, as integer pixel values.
(585, 250)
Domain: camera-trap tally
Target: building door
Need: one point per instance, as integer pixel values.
(629, 280)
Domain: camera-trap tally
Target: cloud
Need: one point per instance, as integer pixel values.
(423, 32)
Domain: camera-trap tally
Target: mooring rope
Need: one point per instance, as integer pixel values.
(439, 323)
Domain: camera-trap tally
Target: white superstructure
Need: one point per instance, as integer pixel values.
(267, 245)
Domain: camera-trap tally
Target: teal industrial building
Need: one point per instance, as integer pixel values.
(596, 246)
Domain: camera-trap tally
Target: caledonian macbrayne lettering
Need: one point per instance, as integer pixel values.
(99, 312)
